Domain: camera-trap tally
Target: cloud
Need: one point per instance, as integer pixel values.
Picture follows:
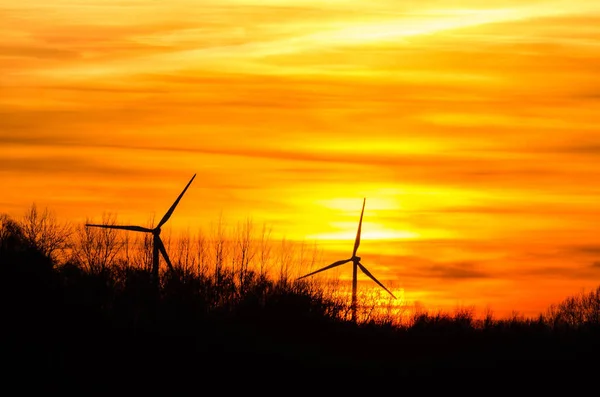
(566, 272)
(590, 149)
(37, 52)
(454, 271)
(49, 165)
(592, 250)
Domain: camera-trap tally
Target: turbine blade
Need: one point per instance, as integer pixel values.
(334, 264)
(170, 211)
(132, 228)
(163, 251)
(365, 271)
(357, 241)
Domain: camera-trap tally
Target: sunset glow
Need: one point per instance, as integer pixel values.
(472, 130)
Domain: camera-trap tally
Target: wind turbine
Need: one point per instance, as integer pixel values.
(355, 265)
(157, 244)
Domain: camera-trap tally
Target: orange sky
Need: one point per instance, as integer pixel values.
(472, 130)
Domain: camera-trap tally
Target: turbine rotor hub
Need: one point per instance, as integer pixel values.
(356, 258)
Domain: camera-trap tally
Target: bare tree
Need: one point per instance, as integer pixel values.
(143, 246)
(244, 250)
(184, 257)
(202, 254)
(577, 310)
(8, 227)
(265, 250)
(11, 234)
(45, 233)
(286, 259)
(219, 248)
(308, 255)
(97, 248)
(143, 251)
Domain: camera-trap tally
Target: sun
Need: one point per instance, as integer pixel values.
(374, 226)
(370, 231)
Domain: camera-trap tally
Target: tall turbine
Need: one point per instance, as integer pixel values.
(157, 244)
(355, 265)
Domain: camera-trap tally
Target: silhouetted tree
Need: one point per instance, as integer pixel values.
(265, 251)
(576, 311)
(202, 254)
(219, 247)
(11, 235)
(16, 250)
(42, 231)
(97, 248)
(244, 251)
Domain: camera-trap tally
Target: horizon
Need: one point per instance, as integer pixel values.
(472, 131)
(307, 255)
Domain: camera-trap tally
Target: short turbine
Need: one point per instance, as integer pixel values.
(355, 265)
(157, 244)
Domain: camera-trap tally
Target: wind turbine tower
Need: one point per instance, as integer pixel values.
(157, 244)
(355, 266)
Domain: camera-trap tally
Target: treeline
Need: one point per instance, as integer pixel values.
(229, 256)
(80, 301)
(233, 258)
(241, 246)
